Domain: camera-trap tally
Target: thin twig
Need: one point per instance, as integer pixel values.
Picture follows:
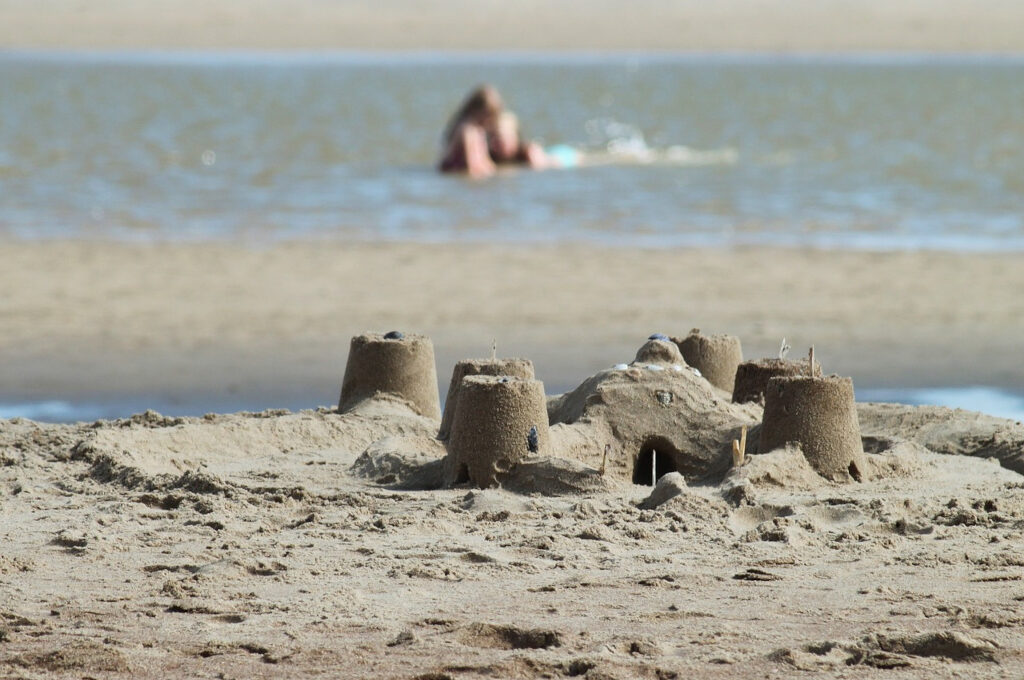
(810, 360)
(739, 448)
(604, 459)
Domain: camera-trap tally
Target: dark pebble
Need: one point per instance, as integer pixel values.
(533, 440)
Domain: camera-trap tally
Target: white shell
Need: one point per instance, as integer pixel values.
(654, 367)
(696, 372)
(677, 368)
(620, 367)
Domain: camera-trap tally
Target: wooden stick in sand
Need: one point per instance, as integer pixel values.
(604, 459)
(739, 448)
(810, 359)
(654, 467)
(494, 350)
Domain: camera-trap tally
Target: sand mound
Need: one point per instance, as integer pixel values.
(219, 451)
(887, 651)
(783, 468)
(950, 431)
(402, 462)
(646, 411)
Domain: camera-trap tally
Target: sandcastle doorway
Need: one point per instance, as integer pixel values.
(657, 457)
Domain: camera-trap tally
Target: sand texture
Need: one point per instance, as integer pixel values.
(281, 544)
(680, 25)
(272, 324)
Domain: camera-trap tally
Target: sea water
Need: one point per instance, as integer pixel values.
(835, 152)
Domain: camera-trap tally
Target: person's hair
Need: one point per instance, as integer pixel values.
(482, 103)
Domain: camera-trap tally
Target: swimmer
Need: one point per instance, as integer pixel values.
(465, 136)
(481, 136)
(506, 146)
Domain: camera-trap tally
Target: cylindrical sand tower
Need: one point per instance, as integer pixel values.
(715, 356)
(820, 415)
(517, 368)
(392, 363)
(752, 377)
(499, 421)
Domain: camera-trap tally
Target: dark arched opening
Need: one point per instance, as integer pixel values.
(657, 457)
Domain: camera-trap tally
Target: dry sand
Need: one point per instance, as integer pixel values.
(265, 545)
(89, 320)
(680, 25)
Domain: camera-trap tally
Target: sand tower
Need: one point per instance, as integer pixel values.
(517, 368)
(395, 364)
(715, 356)
(659, 350)
(752, 377)
(820, 415)
(500, 420)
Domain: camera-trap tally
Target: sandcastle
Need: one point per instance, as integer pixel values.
(820, 415)
(393, 364)
(499, 421)
(651, 417)
(517, 368)
(752, 377)
(715, 356)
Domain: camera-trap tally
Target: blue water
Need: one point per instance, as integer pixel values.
(988, 400)
(839, 152)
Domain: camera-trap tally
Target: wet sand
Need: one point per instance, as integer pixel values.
(93, 320)
(989, 26)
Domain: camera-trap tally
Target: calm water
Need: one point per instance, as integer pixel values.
(843, 152)
(993, 401)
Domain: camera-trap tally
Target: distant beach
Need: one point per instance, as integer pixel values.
(947, 26)
(269, 326)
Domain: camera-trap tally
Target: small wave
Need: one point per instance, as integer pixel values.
(615, 142)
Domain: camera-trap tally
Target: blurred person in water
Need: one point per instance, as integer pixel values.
(482, 134)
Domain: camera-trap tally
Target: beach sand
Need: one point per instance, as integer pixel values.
(96, 320)
(986, 26)
(297, 544)
(266, 545)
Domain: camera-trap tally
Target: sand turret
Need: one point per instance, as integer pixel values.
(752, 377)
(517, 368)
(820, 415)
(396, 364)
(715, 356)
(499, 421)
